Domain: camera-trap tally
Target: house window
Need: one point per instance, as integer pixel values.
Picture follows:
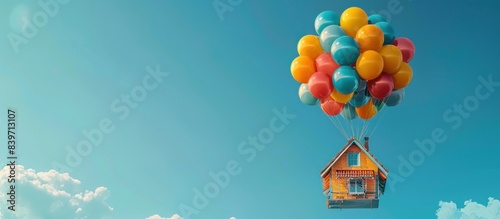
(356, 186)
(353, 159)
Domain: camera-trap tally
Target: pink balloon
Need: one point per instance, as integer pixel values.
(381, 87)
(331, 107)
(320, 85)
(406, 46)
(326, 64)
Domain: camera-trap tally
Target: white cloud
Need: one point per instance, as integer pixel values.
(471, 210)
(52, 195)
(175, 216)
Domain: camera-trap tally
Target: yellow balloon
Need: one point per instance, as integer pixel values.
(370, 37)
(302, 68)
(340, 97)
(403, 77)
(392, 58)
(352, 19)
(310, 46)
(367, 111)
(369, 65)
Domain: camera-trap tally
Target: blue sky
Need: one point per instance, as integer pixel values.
(228, 79)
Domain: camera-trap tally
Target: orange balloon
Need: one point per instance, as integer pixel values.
(392, 58)
(310, 46)
(369, 65)
(302, 68)
(367, 111)
(340, 97)
(352, 19)
(370, 37)
(403, 77)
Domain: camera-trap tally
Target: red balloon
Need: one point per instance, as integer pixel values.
(406, 46)
(381, 87)
(331, 107)
(320, 85)
(326, 64)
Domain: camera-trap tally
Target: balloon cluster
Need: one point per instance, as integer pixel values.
(354, 66)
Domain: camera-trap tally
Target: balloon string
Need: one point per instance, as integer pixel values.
(352, 129)
(376, 125)
(357, 130)
(348, 124)
(368, 126)
(339, 127)
(357, 127)
(379, 118)
(343, 129)
(334, 122)
(382, 116)
(363, 128)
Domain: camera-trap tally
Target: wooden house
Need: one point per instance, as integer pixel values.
(354, 178)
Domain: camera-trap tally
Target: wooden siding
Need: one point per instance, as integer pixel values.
(365, 162)
(371, 185)
(340, 189)
(339, 185)
(326, 182)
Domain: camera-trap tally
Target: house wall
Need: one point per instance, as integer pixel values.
(340, 189)
(326, 182)
(339, 186)
(365, 162)
(371, 184)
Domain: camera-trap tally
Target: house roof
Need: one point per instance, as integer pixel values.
(350, 143)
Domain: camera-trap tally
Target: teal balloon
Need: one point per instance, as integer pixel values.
(345, 50)
(394, 98)
(360, 98)
(378, 104)
(375, 18)
(325, 19)
(329, 35)
(345, 79)
(306, 97)
(349, 112)
(361, 85)
(389, 34)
